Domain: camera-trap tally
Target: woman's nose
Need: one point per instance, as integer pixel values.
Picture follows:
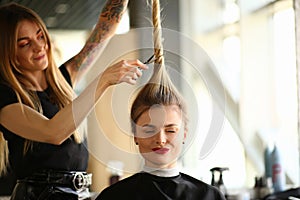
(160, 137)
(38, 45)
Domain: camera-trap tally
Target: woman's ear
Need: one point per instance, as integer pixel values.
(184, 137)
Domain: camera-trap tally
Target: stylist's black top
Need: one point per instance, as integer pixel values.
(69, 156)
(145, 186)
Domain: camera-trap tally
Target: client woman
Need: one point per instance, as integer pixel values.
(159, 124)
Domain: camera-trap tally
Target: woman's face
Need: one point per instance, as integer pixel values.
(160, 135)
(32, 48)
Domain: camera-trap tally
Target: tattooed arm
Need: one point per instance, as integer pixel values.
(105, 28)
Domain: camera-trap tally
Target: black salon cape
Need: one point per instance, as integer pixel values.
(145, 186)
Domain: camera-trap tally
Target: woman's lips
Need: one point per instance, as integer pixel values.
(39, 57)
(160, 150)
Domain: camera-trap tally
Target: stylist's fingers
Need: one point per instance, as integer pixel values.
(131, 75)
(128, 79)
(124, 71)
(137, 63)
(134, 71)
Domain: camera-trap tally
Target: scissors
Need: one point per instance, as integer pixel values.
(150, 60)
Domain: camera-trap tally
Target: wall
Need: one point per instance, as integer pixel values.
(110, 137)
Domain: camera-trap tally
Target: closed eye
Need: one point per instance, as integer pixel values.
(151, 131)
(172, 128)
(24, 44)
(171, 131)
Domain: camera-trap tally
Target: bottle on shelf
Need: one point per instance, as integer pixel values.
(278, 173)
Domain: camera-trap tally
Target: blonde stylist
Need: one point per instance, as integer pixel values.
(39, 115)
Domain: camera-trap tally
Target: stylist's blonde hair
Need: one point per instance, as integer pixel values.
(159, 90)
(10, 17)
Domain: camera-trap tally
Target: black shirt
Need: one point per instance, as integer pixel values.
(145, 186)
(69, 156)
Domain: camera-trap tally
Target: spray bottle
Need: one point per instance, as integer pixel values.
(278, 174)
(220, 183)
(268, 160)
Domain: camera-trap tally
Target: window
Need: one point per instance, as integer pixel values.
(254, 52)
(286, 89)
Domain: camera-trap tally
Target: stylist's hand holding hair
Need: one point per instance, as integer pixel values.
(124, 71)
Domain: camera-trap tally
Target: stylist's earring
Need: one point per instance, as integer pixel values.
(136, 143)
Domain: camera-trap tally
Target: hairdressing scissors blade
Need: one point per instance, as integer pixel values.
(149, 60)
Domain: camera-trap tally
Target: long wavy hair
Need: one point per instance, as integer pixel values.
(159, 90)
(60, 91)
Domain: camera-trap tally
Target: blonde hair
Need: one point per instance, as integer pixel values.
(60, 91)
(159, 89)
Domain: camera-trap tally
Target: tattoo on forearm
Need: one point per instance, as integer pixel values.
(111, 14)
(114, 10)
(109, 17)
(87, 56)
